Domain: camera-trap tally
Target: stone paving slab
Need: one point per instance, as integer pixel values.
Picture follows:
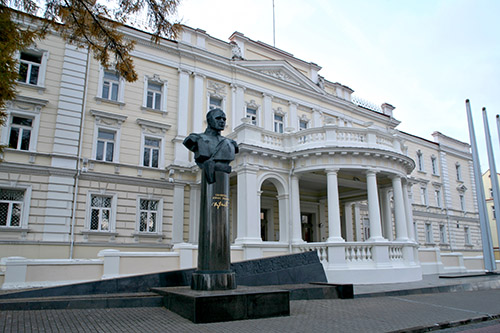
(381, 314)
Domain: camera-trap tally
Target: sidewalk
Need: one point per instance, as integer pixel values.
(419, 312)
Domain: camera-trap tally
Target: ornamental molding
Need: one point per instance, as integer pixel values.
(153, 127)
(27, 104)
(216, 88)
(108, 118)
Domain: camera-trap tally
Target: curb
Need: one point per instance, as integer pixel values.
(447, 324)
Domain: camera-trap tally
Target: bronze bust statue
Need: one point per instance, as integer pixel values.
(212, 151)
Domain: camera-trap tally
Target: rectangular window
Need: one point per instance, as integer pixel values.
(148, 215)
(105, 145)
(100, 212)
(215, 103)
(20, 133)
(493, 212)
(437, 194)
(428, 233)
(303, 125)
(252, 115)
(458, 169)
(29, 67)
(434, 165)
(467, 235)
(151, 152)
(278, 123)
(11, 207)
(442, 234)
(420, 161)
(462, 202)
(423, 196)
(110, 86)
(154, 95)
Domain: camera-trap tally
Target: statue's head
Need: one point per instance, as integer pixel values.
(216, 119)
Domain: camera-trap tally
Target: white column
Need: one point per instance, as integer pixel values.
(317, 118)
(385, 204)
(295, 218)
(283, 217)
(408, 211)
(399, 210)
(357, 222)
(292, 116)
(181, 154)
(248, 207)
(348, 222)
(178, 214)
(268, 116)
(335, 234)
(194, 213)
(238, 94)
(373, 208)
(198, 110)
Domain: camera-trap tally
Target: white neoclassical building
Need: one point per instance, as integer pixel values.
(95, 178)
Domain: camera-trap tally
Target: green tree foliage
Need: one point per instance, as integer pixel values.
(84, 23)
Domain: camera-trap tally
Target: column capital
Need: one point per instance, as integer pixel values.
(198, 75)
(267, 95)
(292, 103)
(332, 171)
(184, 71)
(236, 86)
(370, 172)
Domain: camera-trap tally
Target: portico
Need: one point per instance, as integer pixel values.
(338, 196)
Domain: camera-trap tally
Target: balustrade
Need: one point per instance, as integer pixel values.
(317, 137)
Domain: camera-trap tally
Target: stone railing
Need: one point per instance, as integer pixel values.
(318, 137)
(359, 253)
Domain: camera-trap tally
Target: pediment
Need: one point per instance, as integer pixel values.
(281, 70)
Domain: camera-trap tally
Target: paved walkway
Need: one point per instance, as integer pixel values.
(373, 314)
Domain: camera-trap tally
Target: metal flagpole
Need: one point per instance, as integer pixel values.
(493, 169)
(274, 28)
(489, 260)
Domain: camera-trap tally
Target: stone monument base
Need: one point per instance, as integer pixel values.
(226, 305)
(213, 280)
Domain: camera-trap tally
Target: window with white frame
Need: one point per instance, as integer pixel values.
(152, 143)
(106, 140)
(442, 234)
(155, 93)
(110, 85)
(215, 103)
(11, 207)
(151, 155)
(467, 235)
(101, 216)
(423, 196)
(149, 217)
(493, 212)
(428, 233)
(420, 161)
(462, 202)
(434, 165)
(252, 115)
(32, 65)
(303, 124)
(279, 123)
(20, 131)
(415, 231)
(107, 135)
(458, 170)
(437, 195)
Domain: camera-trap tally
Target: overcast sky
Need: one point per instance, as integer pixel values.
(425, 57)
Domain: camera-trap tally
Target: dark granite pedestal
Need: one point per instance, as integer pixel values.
(226, 305)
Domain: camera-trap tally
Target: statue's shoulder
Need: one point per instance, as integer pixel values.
(235, 144)
(191, 140)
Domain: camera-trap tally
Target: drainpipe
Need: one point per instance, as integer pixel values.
(290, 210)
(79, 158)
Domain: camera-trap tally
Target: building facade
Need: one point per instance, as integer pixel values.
(93, 162)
